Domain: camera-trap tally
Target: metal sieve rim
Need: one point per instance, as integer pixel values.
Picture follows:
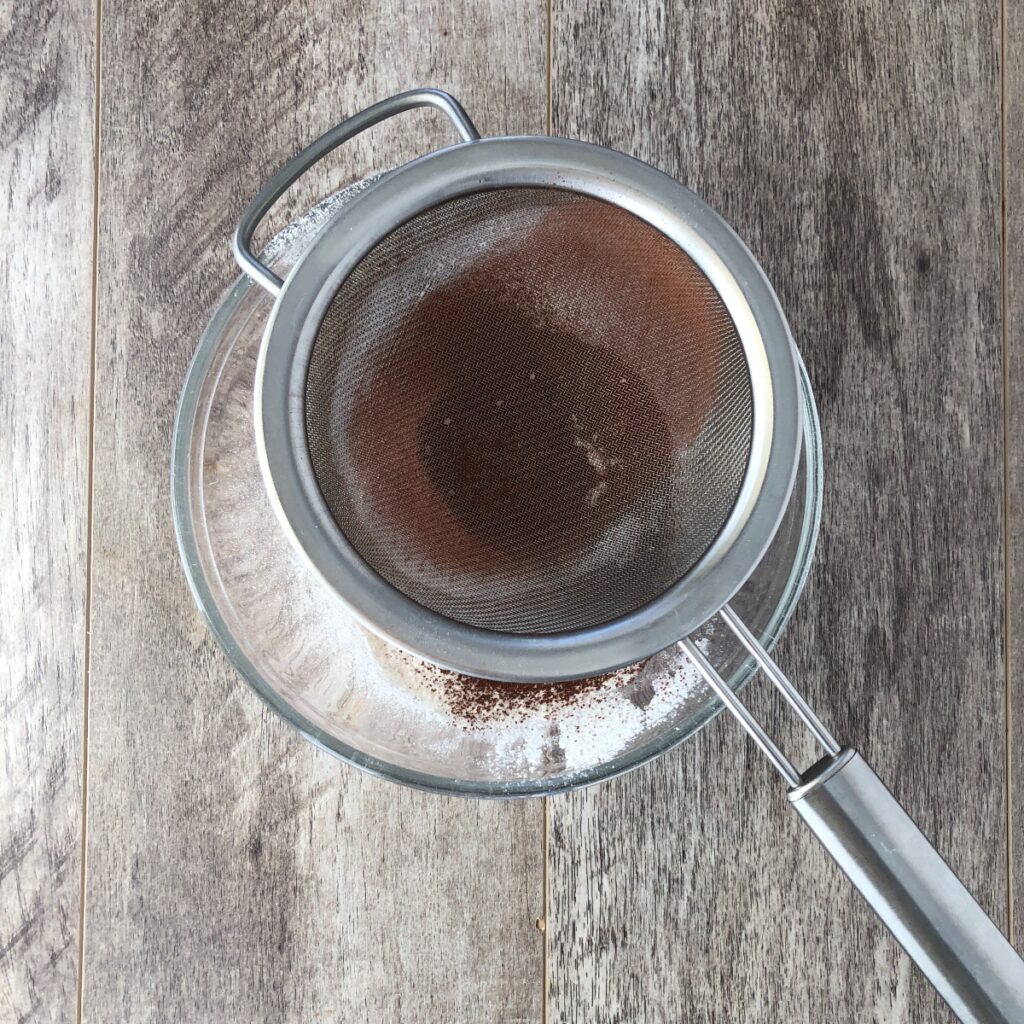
(667, 206)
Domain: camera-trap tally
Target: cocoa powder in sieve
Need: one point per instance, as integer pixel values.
(516, 440)
(510, 435)
(535, 441)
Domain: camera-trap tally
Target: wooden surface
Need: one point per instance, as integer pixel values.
(235, 873)
(46, 167)
(1013, 339)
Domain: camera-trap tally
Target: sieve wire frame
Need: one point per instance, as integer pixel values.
(665, 204)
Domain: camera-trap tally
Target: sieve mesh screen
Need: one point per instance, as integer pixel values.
(528, 410)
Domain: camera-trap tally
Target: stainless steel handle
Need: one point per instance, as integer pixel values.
(299, 164)
(886, 856)
(912, 889)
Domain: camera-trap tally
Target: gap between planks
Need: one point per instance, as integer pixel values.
(93, 332)
(1008, 567)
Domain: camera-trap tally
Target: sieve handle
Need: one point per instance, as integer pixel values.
(912, 889)
(886, 856)
(299, 164)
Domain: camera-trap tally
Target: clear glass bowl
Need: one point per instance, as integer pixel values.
(373, 705)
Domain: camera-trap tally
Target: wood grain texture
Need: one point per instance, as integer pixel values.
(1013, 166)
(856, 149)
(235, 873)
(46, 165)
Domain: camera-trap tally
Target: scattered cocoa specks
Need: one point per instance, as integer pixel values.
(473, 700)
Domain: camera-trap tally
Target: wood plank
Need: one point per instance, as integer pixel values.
(47, 87)
(857, 151)
(360, 901)
(1013, 168)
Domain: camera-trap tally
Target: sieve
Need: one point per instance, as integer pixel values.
(529, 409)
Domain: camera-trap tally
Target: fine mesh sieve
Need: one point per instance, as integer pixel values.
(528, 407)
(528, 410)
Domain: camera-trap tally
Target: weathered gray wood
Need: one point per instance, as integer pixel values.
(857, 151)
(1013, 167)
(46, 166)
(235, 873)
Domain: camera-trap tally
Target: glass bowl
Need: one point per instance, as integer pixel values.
(373, 705)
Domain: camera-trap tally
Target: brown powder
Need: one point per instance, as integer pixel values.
(512, 435)
(516, 441)
(474, 700)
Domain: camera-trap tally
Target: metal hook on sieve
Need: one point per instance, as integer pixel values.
(315, 151)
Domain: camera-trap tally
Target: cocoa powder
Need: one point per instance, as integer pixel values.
(474, 700)
(511, 446)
